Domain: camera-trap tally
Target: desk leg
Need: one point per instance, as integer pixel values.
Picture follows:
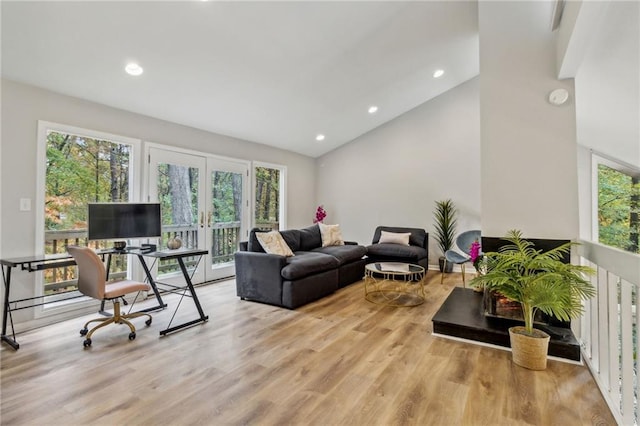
(194, 296)
(6, 314)
(161, 304)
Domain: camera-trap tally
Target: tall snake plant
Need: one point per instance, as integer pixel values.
(445, 224)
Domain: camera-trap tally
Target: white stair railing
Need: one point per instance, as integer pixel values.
(609, 328)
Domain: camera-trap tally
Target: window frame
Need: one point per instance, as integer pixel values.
(135, 173)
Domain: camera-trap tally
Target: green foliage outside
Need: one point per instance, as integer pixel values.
(267, 197)
(618, 209)
(166, 196)
(227, 197)
(80, 170)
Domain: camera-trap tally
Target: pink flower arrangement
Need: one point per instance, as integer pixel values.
(474, 251)
(320, 214)
(475, 255)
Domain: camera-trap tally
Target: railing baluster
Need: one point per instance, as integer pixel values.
(626, 372)
(613, 321)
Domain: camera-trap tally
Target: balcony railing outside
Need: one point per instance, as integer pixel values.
(63, 279)
(226, 237)
(609, 327)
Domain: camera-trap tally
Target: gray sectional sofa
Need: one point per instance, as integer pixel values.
(314, 272)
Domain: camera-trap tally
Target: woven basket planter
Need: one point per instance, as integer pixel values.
(529, 351)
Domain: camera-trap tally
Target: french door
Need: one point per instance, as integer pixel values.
(204, 203)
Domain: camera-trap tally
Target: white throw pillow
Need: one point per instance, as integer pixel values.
(331, 235)
(273, 243)
(394, 238)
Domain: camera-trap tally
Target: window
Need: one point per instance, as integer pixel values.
(618, 204)
(80, 166)
(269, 196)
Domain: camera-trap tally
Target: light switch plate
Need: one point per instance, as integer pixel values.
(25, 204)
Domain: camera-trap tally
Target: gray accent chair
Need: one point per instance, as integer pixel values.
(463, 242)
(312, 273)
(417, 252)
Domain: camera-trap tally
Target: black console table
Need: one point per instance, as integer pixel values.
(40, 263)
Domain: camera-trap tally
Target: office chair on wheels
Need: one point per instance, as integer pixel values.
(463, 241)
(92, 282)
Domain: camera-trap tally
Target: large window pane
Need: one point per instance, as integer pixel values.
(618, 208)
(226, 215)
(267, 206)
(178, 196)
(80, 170)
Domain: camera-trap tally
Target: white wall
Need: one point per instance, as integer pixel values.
(529, 166)
(393, 175)
(608, 85)
(23, 106)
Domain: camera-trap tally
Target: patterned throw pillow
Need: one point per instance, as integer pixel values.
(273, 243)
(331, 235)
(394, 238)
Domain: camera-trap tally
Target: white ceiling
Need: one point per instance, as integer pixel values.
(276, 73)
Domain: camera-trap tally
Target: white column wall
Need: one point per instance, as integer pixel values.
(529, 166)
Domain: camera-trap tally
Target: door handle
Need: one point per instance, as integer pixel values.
(201, 219)
(209, 219)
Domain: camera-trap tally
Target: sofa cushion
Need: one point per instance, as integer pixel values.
(273, 243)
(253, 244)
(310, 238)
(307, 263)
(344, 254)
(396, 251)
(331, 235)
(418, 236)
(401, 238)
(292, 238)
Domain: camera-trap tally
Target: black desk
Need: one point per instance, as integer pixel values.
(39, 263)
(179, 255)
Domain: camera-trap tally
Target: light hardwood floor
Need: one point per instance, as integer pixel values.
(339, 361)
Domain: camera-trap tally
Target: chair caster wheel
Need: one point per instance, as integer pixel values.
(132, 336)
(86, 343)
(84, 331)
(148, 322)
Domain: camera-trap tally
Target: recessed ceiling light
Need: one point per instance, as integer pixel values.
(373, 109)
(133, 69)
(320, 137)
(438, 73)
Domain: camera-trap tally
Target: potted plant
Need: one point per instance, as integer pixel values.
(445, 225)
(538, 281)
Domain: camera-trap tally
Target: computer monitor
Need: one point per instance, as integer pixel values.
(112, 221)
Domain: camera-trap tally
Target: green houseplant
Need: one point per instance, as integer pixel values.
(538, 281)
(445, 226)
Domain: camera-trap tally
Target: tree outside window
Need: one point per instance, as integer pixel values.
(79, 170)
(267, 191)
(619, 207)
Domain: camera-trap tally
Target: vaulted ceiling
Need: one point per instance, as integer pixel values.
(277, 73)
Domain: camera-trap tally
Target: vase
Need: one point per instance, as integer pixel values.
(174, 243)
(529, 350)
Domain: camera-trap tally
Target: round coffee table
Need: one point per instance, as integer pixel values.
(394, 284)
